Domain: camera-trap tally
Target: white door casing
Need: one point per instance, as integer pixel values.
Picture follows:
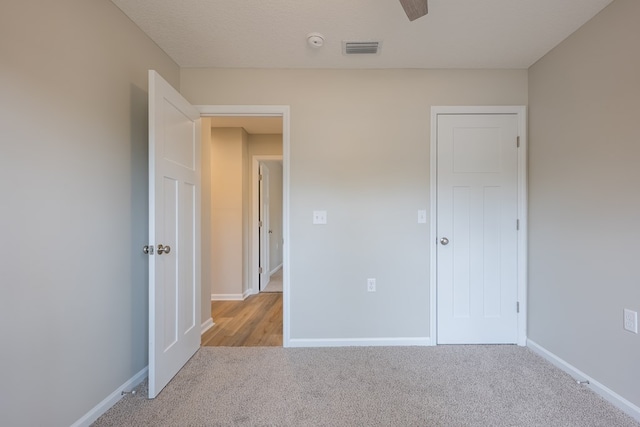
(479, 209)
(174, 221)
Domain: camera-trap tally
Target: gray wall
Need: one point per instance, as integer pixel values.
(585, 198)
(73, 180)
(360, 150)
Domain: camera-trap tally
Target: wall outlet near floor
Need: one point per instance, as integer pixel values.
(631, 321)
(371, 285)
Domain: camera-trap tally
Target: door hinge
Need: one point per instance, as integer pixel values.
(517, 224)
(260, 270)
(518, 142)
(259, 223)
(260, 177)
(518, 307)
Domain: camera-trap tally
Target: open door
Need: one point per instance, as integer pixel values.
(264, 226)
(174, 230)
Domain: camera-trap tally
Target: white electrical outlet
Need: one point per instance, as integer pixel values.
(631, 320)
(371, 285)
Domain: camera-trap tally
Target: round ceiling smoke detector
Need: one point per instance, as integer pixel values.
(315, 40)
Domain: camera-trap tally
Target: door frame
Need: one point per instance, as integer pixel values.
(521, 113)
(269, 111)
(255, 231)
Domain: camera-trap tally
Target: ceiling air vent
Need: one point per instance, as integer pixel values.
(361, 48)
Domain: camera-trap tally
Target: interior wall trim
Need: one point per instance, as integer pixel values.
(599, 388)
(227, 297)
(206, 325)
(359, 342)
(102, 407)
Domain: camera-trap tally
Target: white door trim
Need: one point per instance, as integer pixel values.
(255, 232)
(521, 112)
(276, 111)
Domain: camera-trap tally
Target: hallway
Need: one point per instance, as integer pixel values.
(254, 322)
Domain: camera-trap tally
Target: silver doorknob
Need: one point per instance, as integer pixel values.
(444, 242)
(163, 249)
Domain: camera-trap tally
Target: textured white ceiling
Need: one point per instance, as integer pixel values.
(272, 33)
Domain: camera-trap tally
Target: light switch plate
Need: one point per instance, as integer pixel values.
(319, 217)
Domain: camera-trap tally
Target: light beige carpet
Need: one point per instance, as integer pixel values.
(275, 282)
(368, 386)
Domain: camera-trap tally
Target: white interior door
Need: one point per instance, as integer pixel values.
(477, 208)
(174, 230)
(265, 228)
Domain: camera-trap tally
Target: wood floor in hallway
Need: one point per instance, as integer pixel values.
(254, 322)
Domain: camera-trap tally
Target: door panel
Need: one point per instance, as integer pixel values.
(167, 280)
(477, 205)
(174, 221)
(188, 275)
(461, 224)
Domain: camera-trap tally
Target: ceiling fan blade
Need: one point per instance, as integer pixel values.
(414, 8)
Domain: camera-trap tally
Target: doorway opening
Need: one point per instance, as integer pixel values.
(245, 224)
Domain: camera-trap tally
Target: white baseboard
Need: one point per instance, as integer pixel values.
(359, 342)
(110, 400)
(206, 325)
(247, 293)
(608, 394)
(227, 297)
(275, 269)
